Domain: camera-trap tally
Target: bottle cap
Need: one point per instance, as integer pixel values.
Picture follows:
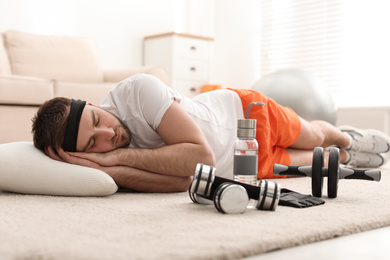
(246, 128)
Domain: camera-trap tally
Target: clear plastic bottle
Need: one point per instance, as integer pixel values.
(245, 152)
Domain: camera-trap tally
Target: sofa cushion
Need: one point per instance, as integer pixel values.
(4, 62)
(26, 169)
(21, 90)
(60, 58)
(90, 92)
(18, 126)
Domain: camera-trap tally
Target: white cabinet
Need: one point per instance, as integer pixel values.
(186, 58)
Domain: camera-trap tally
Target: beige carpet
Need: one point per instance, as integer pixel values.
(170, 226)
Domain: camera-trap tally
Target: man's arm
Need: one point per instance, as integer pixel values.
(186, 146)
(127, 177)
(139, 180)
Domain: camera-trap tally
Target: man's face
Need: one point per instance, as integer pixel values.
(100, 131)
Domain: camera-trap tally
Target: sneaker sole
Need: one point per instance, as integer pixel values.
(374, 131)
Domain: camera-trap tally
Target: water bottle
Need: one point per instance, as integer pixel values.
(246, 150)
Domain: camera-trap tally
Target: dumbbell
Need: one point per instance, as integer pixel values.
(317, 172)
(228, 197)
(231, 196)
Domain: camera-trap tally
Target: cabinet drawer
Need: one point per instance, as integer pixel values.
(193, 69)
(193, 48)
(189, 88)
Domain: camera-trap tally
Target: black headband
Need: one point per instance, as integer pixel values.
(72, 129)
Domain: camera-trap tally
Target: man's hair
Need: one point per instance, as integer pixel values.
(49, 124)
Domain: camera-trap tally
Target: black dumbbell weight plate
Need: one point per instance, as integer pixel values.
(333, 172)
(317, 178)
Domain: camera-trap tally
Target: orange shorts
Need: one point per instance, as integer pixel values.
(278, 127)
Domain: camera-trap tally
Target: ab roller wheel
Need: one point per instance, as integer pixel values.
(230, 196)
(316, 178)
(334, 173)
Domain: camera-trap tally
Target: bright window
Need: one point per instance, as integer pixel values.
(345, 43)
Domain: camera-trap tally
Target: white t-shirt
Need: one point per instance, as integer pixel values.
(141, 101)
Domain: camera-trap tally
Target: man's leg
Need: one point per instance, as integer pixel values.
(321, 133)
(313, 134)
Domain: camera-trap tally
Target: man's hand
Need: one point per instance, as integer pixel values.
(110, 158)
(144, 181)
(63, 156)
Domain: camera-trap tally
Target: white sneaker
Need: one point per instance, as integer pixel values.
(369, 141)
(364, 160)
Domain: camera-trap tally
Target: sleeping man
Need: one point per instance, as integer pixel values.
(149, 137)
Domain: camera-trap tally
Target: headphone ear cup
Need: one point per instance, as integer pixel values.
(231, 198)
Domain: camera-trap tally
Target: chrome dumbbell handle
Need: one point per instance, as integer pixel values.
(206, 184)
(228, 198)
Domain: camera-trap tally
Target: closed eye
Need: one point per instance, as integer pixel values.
(93, 143)
(97, 121)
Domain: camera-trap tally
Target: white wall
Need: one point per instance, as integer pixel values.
(119, 26)
(237, 43)
(235, 27)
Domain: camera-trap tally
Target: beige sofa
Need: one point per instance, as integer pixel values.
(35, 68)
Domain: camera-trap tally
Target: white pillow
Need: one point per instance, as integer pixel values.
(26, 169)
